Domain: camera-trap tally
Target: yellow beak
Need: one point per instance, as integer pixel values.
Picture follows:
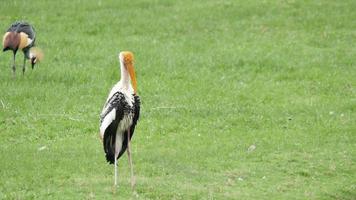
(131, 70)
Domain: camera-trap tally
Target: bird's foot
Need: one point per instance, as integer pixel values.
(133, 182)
(113, 189)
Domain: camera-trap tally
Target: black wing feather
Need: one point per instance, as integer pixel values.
(136, 111)
(23, 27)
(110, 133)
(26, 28)
(118, 101)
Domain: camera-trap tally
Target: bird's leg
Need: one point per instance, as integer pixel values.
(130, 159)
(115, 165)
(24, 64)
(13, 65)
(116, 155)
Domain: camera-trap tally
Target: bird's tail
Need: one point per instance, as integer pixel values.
(109, 147)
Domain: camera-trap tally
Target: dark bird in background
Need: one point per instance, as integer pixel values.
(120, 114)
(21, 36)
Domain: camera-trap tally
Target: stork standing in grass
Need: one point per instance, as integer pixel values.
(21, 36)
(120, 114)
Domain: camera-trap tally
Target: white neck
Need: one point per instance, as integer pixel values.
(125, 78)
(124, 85)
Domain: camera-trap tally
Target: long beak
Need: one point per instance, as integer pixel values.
(132, 74)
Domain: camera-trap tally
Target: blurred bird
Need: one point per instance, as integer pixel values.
(120, 114)
(22, 36)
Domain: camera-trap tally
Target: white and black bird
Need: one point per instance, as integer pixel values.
(21, 36)
(120, 114)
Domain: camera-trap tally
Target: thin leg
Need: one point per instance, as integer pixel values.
(115, 183)
(14, 66)
(24, 64)
(116, 154)
(130, 159)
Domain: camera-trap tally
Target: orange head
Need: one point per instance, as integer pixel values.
(127, 59)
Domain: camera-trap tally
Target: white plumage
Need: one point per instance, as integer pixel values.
(120, 114)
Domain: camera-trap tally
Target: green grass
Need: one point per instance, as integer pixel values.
(215, 77)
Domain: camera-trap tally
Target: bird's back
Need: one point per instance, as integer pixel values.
(122, 108)
(23, 27)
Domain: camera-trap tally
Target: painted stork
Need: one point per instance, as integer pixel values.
(120, 114)
(20, 35)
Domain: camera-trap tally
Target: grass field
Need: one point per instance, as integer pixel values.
(216, 78)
